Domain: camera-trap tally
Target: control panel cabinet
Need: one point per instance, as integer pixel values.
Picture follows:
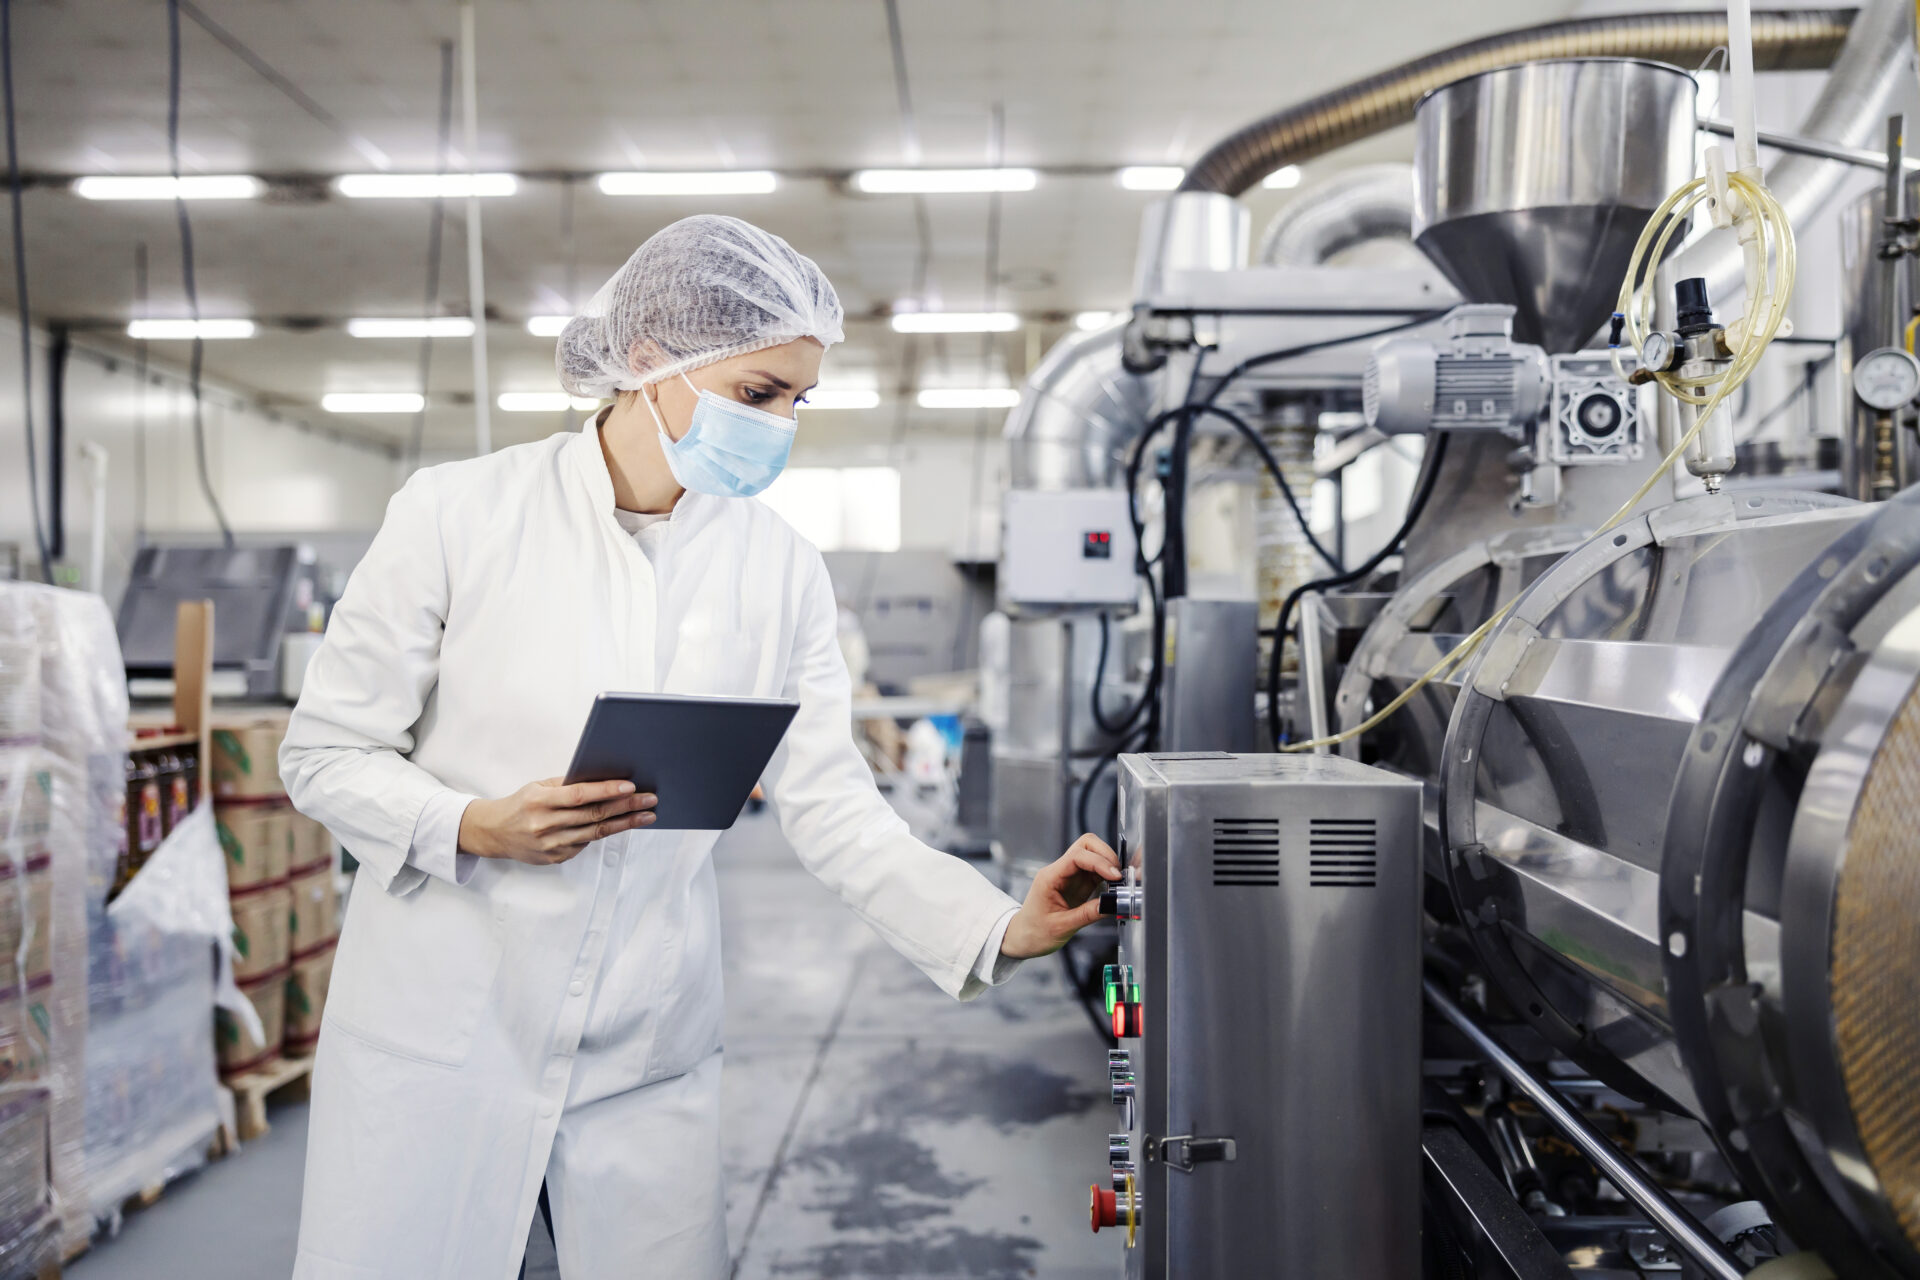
(1267, 1000)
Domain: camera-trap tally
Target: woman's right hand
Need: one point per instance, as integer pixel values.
(547, 822)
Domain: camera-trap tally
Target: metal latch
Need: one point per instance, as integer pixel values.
(1184, 1151)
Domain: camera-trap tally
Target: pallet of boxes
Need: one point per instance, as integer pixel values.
(284, 895)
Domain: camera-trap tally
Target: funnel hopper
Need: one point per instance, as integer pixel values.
(1533, 182)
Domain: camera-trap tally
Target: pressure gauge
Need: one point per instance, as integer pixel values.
(1656, 353)
(1886, 378)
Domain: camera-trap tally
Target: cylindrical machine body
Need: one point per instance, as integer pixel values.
(1189, 231)
(1283, 557)
(1657, 779)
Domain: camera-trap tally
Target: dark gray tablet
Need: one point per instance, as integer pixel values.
(701, 756)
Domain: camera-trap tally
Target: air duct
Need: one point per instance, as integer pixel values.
(1077, 413)
(1783, 40)
(1371, 202)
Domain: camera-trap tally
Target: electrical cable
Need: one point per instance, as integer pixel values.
(436, 224)
(1768, 239)
(1423, 488)
(186, 273)
(23, 310)
(1279, 479)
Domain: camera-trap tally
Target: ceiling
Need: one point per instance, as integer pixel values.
(575, 87)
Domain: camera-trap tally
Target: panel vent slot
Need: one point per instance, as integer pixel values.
(1246, 852)
(1341, 853)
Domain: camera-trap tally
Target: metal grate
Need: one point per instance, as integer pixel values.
(1341, 853)
(1246, 852)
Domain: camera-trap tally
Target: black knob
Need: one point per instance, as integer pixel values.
(1691, 307)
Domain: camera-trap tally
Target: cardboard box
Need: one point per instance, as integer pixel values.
(316, 910)
(246, 761)
(312, 844)
(239, 1052)
(307, 1000)
(258, 842)
(262, 932)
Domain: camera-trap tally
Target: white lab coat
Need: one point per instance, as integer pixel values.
(561, 1022)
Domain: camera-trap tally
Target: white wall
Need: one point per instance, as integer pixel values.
(937, 488)
(272, 477)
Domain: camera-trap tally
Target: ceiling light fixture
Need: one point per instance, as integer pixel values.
(1282, 179)
(187, 330)
(1086, 321)
(1151, 177)
(725, 182)
(432, 327)
(842, 398)
(199, 186)
(543, 402)
(955, 322)
(373, 402)
(969, 398)
(942, 181)
(415, 186)
(546, 326)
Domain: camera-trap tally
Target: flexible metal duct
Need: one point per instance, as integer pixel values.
(1371, 202)
(1783, 40)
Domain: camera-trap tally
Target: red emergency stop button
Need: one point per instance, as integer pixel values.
(1127, 1020)
(1104, 1209)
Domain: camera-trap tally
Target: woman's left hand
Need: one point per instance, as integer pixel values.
(1064, 899)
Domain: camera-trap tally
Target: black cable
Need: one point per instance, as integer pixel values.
(1125, 723)
(435, 235)
(25, 312)
(1423, 491)
(1279, 478)
(1089, 995)
(186, 271)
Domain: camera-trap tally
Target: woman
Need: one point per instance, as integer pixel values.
(527, 991)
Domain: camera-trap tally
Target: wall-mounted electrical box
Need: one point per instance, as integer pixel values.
(1067, 548)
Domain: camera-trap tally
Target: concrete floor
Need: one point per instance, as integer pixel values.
(874, 1128)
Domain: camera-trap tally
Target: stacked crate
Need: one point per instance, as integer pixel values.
(280, 871)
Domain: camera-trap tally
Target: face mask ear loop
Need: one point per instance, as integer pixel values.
(653, 413)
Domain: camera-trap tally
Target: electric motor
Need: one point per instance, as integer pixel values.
(1476, 378)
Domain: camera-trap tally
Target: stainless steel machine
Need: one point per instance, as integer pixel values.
(1667, 871)
(1267, 1000)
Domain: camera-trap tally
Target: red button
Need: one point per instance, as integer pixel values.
(1104, 1209)
(1127, 1020)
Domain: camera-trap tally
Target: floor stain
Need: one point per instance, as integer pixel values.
(892, 1181)
(953, 1087)
(951, 1253)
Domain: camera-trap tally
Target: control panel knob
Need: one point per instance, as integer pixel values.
(1122, 1089)
(1127, 1020)
(1119, 1149)
(1122, 903)
(1119, 1060)
(1104, 1210)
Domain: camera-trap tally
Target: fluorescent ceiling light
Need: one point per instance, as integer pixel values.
(842, 398)
(1282, 179)
(955, 322)
(403, 186)
(726, 182)
(1151, 177)
(186, 330)
(373, 402)
(1089, 320)
(546, 326)
(432, 327)
(942, 181)
(543, 402)
(969, 398)
(198, 186)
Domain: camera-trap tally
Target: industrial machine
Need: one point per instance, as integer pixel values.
(1632, 985)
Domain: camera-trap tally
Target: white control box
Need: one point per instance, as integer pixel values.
(1071, 547)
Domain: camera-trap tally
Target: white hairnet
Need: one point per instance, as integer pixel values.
(699, 290)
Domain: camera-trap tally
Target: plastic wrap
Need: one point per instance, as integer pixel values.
(111, 1021)
(30, 1230)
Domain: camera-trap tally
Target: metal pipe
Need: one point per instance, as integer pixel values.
(476, 261)
(1685, 1230)
(1861, 157)
(1783, 39)
(1371, 202)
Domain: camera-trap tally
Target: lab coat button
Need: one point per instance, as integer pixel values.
(546, 1111)
(578, 989)
(613, 856)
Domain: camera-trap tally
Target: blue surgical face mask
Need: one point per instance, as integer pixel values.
(731, 450)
